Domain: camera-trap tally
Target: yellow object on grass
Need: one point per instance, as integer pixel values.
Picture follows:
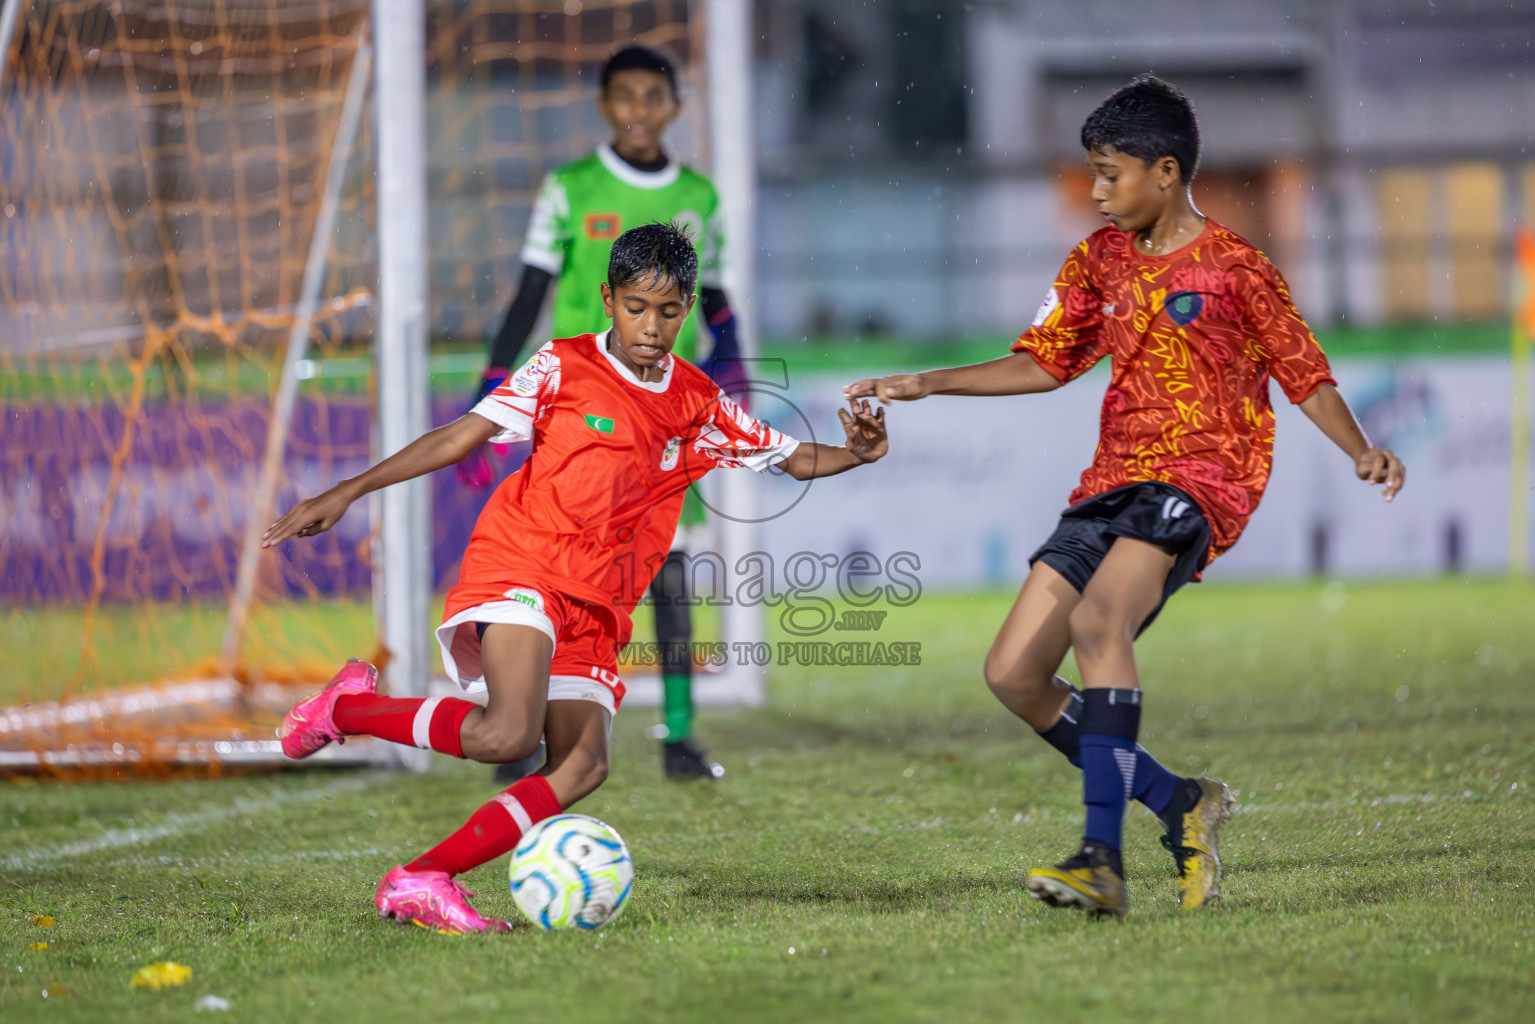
(161, 975)
(44, 921)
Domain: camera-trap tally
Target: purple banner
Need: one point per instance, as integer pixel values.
(181, 496)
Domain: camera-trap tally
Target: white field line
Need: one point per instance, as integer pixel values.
(294, 857)
(176, 825)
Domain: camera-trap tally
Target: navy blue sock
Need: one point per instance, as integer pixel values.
(1154, 785)
(1066, 734)
(1111, 718)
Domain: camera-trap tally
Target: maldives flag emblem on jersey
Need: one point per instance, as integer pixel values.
(602, 227)
(601, 424)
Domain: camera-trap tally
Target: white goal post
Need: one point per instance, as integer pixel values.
(403, 584)
(728, 55)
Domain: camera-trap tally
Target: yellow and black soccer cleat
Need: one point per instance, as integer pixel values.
(1194, 840)
(1087, 881)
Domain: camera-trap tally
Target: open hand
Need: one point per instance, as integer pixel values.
(308, 517)
(866, 437)
(1381, 466)
(903, 387)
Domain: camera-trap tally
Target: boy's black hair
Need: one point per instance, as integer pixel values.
(654, 253)
(639, 58)
(1148, 119)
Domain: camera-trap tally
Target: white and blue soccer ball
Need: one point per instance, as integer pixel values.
(571, 871)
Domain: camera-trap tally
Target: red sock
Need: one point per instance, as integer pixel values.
(431, 723)
(493, 829)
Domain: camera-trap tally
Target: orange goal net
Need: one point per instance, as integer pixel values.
(187, 200)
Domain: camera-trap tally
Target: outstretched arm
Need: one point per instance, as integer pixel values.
(1327, 409)
(866, 442)
(1015, 374)
(431, 451)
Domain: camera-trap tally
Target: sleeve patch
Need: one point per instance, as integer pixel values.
(1050, 305)
(523, 398)
(526, 381)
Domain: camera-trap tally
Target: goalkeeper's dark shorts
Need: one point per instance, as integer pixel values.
(1156, 513)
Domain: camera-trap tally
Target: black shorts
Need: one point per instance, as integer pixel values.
(1157, 513)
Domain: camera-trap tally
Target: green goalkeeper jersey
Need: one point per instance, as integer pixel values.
(585, 205)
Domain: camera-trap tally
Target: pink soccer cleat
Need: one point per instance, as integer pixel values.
(311, 723)
(432, 899)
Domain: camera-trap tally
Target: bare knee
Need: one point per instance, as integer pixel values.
(1032, 692)
(1010, 680)
(504, 740)
(1097, 625)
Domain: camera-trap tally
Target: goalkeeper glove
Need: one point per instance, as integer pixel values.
(476, 471)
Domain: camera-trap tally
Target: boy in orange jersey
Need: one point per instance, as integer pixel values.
(566, 546)
(1196, 322)
(582, 207)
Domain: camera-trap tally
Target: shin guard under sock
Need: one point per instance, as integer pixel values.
(431, 723)
(492, 830)
(1111, 719)
(1154, 785)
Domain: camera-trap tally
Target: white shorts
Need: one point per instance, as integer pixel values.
(458, 640)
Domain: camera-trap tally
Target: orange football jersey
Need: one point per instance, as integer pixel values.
(592, 512)
(1194, 337)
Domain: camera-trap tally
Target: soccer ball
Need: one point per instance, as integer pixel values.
(571, 871)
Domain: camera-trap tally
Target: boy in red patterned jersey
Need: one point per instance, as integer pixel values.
(565, 548)
(1196, 322)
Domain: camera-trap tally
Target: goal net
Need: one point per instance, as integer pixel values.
(186, 209)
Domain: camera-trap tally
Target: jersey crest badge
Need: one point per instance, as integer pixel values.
(601, 424)
(670, 453)
(1050, 305)
(1183, 307)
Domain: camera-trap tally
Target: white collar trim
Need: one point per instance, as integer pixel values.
(631, 175)
(623, 371)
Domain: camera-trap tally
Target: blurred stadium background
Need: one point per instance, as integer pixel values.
(164, 167)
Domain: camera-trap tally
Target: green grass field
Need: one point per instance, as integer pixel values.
(863, 859)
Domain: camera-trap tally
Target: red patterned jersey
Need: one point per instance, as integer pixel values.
(592, 512)
(1194, 337)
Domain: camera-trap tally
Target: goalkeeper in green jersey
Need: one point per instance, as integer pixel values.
(581, 209)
